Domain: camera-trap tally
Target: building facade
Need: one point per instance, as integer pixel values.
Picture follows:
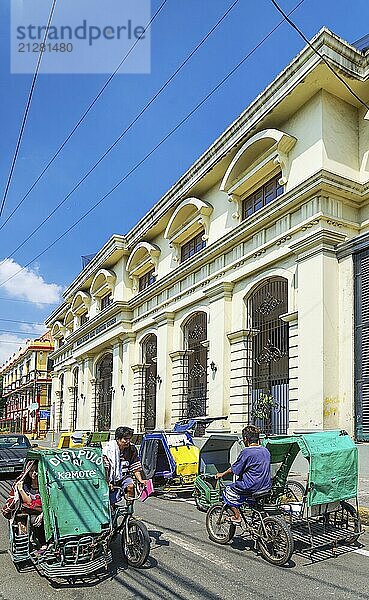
(26, 390)
(235, 295)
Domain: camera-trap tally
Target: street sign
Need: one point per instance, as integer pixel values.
(44, 414)
(33, 406)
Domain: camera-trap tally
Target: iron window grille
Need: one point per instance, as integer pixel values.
(262, 196)
(146, 280)
(193, 246)
(268, 373)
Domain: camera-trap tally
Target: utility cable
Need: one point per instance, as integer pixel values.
(126, 130)
(327, 62)
(18, 332)
(24, 322)
(28, 301)
(81, 118)
(61, 236)
(26, 111)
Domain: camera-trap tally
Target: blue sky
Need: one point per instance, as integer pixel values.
(59, 100)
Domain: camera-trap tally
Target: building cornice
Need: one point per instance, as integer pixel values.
(345, 57)
(322, 182)
(350, 247)
(116, 244)
(116, 308)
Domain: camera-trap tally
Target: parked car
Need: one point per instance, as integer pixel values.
(13, 451)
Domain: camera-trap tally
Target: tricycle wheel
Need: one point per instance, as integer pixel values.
(218, 525)
(354, 519)
(137, 548)
(275, 540)
(294, 491)
(199, 506)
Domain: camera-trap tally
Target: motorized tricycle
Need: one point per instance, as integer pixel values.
(171, 458)
(79, 523)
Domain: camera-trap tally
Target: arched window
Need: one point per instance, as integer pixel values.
(102, 287)
(149, 358)
(259, 171)
(188, 225)
(104, 393)
(195, 367)
(269, 391)
(142, 265)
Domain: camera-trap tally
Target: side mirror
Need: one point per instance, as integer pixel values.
(34, 445)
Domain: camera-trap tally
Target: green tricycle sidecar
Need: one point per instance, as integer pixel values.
(76, 514)
(216, 454)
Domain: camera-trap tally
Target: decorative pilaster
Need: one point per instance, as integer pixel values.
(117, 383)
(293, 367)
(220, 318)
(165, 324)
(138, 391)
(240, 377)
(127, 387)
(178, 378)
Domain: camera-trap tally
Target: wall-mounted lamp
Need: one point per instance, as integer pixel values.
(123, 388)
(213, 367)
(159, 380)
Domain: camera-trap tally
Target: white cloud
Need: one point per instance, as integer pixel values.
(9, 343)
(27, 285)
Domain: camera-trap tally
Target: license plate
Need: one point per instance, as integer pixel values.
(7, 469)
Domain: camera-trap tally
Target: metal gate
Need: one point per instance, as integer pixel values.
(149, 358)
(268, 385)
(361, 266)
(195, 366)
(104, 393)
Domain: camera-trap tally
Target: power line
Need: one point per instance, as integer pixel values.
(25, 333)
(326, 61)
(126, 130)
(153, 149)
(25, 322)
(81, 119)
(25, 114)
(28, 301)
(14, 342)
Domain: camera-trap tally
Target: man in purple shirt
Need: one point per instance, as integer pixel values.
(251, 470)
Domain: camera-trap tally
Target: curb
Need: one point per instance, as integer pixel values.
(364, 515)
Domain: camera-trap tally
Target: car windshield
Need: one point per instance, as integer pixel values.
(14, 441)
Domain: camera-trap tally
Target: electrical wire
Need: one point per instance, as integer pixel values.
(14, 342)
(24, 322)
(28, 301)
(323, 58)
(125, 131)
(153, 149)
(18, 332)
(108, 81)
(26, 111)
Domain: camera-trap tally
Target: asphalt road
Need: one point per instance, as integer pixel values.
(184, 565)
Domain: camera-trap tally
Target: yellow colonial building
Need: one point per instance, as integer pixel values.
(27, 387)
(242, 292)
